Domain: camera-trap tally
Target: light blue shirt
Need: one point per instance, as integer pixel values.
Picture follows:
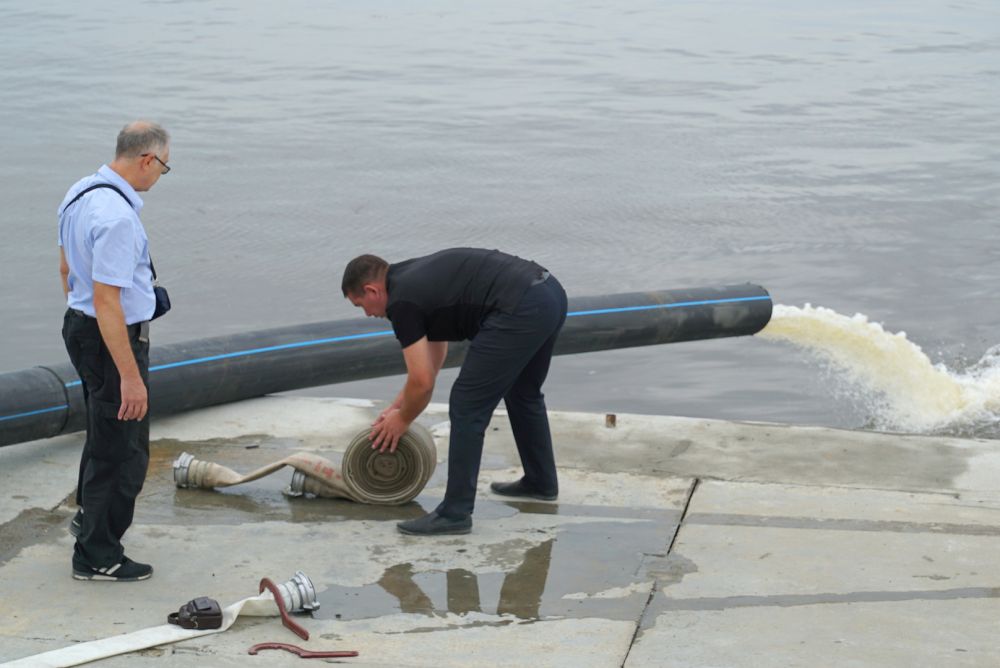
(103, 240)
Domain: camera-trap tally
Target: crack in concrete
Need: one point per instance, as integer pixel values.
(655, 588)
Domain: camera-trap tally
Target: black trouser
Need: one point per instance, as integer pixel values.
(508, 359)
(116, 452)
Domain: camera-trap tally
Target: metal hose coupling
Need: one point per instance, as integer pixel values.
(303, 485)
(299, 594)
(182, 470)
(194, 473)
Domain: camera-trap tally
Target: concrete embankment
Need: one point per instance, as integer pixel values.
(675, 542)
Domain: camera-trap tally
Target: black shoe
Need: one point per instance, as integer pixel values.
(433, 524)
(124, 571)
(76, 524)
(518, 488)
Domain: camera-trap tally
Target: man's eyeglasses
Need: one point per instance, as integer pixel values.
(166, 167)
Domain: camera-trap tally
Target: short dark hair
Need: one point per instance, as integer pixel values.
(362, 269)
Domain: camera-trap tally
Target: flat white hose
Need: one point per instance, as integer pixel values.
(262, 605)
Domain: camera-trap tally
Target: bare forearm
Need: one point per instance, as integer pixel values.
(64, 272)
(438, 351)
(415, 397)
(111, 321)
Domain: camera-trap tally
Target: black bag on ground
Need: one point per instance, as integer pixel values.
(200, 613)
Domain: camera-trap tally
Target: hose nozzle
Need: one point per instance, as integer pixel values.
(299, 594)
(182, 470)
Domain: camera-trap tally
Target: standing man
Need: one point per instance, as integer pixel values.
(512, 310)
(107, 278)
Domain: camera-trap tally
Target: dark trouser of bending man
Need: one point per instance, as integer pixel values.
(107, 277)
(512, 310)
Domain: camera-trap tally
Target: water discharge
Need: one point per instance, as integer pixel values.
(896, 379)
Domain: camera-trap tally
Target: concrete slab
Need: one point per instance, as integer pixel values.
(957, 634)
(564, 580)
(794, 543)
(767, 452)
(788, 574)
(39, 474)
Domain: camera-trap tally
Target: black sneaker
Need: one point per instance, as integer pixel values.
(518, 488)
(433, 524)
(125, 570)
(76, 524)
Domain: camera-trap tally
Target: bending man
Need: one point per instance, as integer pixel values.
(512, 310)
(108, 281)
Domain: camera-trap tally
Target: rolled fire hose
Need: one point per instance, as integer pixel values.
(365, 475)
(297, 594)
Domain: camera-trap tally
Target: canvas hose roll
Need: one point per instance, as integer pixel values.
(364, 475)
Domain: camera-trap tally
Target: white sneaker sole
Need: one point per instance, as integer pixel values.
(108, 578)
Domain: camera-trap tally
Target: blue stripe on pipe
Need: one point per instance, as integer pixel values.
(40, 410)
(388, 332)
(649, 307)
(270, 349)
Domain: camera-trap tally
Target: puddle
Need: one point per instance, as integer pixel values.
(557, 578)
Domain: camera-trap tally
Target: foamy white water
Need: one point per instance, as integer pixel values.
(897, 380)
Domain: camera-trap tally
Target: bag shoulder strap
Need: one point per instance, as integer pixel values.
(95, 187)
(124, 197)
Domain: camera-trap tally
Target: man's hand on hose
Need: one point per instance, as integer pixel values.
(387, 430)
(394, 406)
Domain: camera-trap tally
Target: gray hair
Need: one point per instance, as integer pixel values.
(141, 137)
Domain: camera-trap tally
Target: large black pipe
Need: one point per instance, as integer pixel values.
(46, 401)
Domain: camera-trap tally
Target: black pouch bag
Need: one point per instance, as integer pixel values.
(160, 292)
(201, 613)
(162, 301)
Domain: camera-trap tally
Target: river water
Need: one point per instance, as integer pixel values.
(842, 155)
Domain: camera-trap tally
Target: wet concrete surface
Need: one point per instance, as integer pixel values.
(534, 585)
(630, 567)
(28, 528)
(547, 580)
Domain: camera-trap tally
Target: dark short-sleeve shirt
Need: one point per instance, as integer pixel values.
(447, 295)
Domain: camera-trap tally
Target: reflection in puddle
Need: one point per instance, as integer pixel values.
(520, 594)
(555, 578)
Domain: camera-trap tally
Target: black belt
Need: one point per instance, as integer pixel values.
(140, 328)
